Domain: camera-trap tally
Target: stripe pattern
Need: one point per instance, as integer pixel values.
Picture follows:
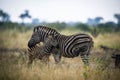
(37, 53)
(73, 46)
(67, 46)
(40, 33)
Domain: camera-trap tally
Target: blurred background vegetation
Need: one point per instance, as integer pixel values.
(92, 25)
(14, 37)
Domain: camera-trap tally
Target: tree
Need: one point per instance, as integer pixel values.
(25, 15)
(98, 20)
(94, 22)
(82, 26)
(117, 16)
(5, 17)
(35, 21)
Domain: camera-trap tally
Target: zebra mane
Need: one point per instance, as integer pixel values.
(44, 29)
(36, 28)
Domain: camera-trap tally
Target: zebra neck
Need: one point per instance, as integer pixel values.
(60, 38)
(42, 36)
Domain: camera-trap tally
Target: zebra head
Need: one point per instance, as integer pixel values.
(35, 39)
(40, 33)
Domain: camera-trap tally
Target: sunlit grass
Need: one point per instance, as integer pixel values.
(109, 39)
(14, 38)
(13, 65)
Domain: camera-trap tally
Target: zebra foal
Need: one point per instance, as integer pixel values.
(37, 53)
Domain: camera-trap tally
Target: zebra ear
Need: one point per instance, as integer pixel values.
(55, 36)
(50, 36)
(35, 29)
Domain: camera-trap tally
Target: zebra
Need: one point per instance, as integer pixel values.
(71, 46)
(81, 42)
(37, 53)
(40, 33)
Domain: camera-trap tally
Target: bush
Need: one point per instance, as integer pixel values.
(83, 27)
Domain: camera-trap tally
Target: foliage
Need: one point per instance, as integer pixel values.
(57, 25)
(5, 17)
(25, 15)
(83, 27)
(12, 26)
(117, 16)
(108, 27)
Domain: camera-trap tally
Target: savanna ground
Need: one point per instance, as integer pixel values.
(13, 59)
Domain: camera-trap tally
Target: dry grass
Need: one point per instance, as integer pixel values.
(13, 65)
(109, 39)
(14, 38)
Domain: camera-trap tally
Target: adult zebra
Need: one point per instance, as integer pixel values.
(40, 33)
(71, 46)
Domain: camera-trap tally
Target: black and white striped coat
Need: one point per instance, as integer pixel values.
(68, 46)
(37, 53)
(40, 33)
(72, 46)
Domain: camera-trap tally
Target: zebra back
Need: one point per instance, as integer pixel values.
(44, 31)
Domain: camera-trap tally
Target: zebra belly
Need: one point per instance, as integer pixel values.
(70, 55)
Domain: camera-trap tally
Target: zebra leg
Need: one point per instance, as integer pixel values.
(85, 59)
(45, 59)
(85, 55)
(31, 58)
(57, 56)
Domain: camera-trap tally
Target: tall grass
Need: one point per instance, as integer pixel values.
(109, 39)
(13, 65)
(14, 38)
